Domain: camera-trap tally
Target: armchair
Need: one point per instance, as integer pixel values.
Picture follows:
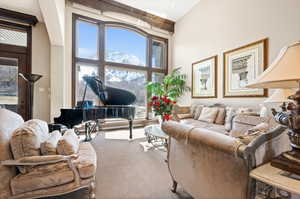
(50, 175)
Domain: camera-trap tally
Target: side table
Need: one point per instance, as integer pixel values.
(274, 183)
(156, 138)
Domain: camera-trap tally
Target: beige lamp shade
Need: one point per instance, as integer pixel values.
(280, 96)
(284, 72)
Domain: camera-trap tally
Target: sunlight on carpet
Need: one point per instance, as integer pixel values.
(124, 134)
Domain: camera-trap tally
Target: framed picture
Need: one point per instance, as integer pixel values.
(204, 78)
(243, 65)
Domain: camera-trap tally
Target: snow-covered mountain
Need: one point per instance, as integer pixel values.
(119, 57)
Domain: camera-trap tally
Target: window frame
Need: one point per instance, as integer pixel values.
(101, 63)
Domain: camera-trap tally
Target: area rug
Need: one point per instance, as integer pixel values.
(123, 134)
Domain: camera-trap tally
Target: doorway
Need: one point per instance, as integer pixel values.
(15, 58)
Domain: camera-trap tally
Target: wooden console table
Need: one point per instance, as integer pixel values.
(275, 183)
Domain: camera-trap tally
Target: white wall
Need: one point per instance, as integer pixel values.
(41, 65)
(215, 26)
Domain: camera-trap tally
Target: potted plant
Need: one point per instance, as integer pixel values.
(163, 95)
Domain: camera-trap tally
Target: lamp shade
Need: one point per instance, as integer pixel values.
(280, 96)
(284, 72)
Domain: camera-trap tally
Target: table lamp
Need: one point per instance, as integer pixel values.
(281, 96)
(284, 72)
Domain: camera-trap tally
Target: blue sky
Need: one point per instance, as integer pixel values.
(117, 39)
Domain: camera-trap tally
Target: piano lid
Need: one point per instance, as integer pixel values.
(109, 95)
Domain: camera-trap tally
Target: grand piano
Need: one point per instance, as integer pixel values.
(117, 103)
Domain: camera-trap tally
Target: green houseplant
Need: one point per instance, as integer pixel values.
(163, 95)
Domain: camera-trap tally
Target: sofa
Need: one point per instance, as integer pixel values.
(211, 161)
(41, 176)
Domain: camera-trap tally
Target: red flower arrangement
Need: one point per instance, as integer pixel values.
(162, 105)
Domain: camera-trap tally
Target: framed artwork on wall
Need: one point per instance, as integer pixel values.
(243, 65)
(204, 78)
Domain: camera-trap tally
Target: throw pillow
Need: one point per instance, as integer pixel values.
(220, 119)
(198, 111)
(208, 114)
(49, 146)
(184, 116)
(68, 144)
(230, 112)
(26, 140)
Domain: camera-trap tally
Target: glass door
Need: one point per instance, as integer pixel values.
(14, 93)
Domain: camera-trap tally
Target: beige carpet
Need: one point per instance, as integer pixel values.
(123, 134)
(125, 171)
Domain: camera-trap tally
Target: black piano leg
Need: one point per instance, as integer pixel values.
(130, 129)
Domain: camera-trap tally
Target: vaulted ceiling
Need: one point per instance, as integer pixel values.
(169, 9)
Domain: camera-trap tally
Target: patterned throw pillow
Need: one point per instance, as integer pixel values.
(220, 119)
(198, 111)
(208, 114)
(230, 112)
(26, 140)
(68, 144)
(49, 146)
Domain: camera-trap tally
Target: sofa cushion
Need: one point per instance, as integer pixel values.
(217, 128)
(208, 114)
(87, 160)
(68, 144)
(26, 140)
(220, 119)
(195, 123)
(49, 146)
(42, 177)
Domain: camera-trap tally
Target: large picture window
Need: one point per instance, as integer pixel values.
(122, 55)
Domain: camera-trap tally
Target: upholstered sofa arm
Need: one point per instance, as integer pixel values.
(249, 119)
(265, 147)
(201, 136)
(243, 122)
(38, 160)
(181, 112)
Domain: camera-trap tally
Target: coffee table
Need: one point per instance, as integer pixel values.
(156, 138)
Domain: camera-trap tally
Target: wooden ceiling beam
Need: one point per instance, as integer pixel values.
(113, 6)
(17, 17)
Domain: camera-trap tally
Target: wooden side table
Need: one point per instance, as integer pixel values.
(275, 183)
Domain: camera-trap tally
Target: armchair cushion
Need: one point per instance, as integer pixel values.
(86, 163)
(42, 177)
(68, 144)
(49, 146)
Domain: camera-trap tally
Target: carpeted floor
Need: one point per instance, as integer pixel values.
(125, 171)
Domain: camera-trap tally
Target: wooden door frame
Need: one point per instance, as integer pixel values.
(20, 50)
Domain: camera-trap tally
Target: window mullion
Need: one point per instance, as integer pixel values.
(102, 50)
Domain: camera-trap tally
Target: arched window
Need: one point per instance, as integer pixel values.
(122, 55)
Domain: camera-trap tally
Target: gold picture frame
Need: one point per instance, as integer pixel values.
(241, 66)
(204, 78)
